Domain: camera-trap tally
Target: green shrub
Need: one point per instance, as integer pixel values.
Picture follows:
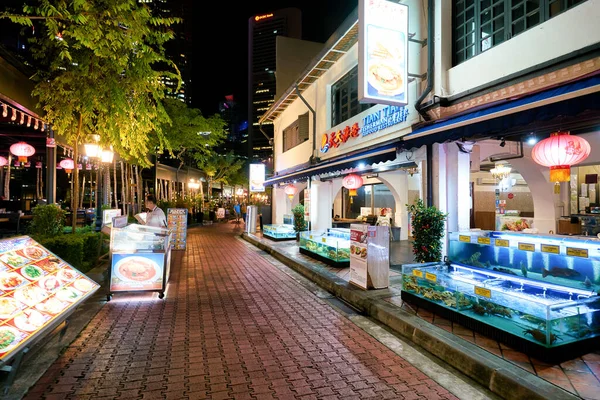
(48, 220)
(427, 231)
(81, 250)
(299, 222)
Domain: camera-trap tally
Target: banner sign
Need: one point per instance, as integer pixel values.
(383, 52)
(257, 177)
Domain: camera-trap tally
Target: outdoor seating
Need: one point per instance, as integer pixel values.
(9, 224)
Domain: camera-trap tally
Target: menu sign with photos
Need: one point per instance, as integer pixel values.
(257, 177)
(383, 52)
(36, 289)
(358, 255)
(139, 271)
(177, 223)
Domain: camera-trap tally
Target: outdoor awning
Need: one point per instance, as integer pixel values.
(576, 104)
(366, 157)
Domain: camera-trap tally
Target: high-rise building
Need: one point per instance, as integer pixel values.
(235, 126)
(262, 32)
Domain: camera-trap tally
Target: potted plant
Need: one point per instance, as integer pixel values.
(299, 222)
(427, 231)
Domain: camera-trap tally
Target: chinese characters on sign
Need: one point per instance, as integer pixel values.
(336, 138)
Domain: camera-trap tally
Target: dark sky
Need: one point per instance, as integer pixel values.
(220, 39)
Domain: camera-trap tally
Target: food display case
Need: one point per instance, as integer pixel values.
(38, 291)
(331, 246)
(536, 293)
(279, 232)
(140, 259)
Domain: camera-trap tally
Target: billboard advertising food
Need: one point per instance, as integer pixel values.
(37, 289)
(138, 271)
(257, 177)
(383, 52)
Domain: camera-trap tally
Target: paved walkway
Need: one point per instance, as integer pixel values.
(231, 326)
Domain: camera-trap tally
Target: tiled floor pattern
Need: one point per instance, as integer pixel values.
(580, 376)
(231, 326)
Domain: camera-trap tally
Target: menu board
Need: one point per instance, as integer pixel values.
(36, 289)
(107, 215)
(177, 223)
(358, 255)
(137, 271)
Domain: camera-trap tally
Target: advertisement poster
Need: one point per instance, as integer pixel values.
(36, 289)
(307, 205)
(358, 255)
(107, 215)
(257, 177)
(383, 52)
(139, 271)
(177, 223)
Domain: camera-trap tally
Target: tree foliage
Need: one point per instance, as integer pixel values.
(219, 168)
(427, 231)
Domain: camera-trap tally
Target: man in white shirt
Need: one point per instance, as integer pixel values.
(155, 216)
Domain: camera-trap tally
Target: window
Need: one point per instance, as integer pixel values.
(344, 98)
(369, 200)
(482, 24)
(296, 133)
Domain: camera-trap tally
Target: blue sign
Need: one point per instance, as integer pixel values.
(384, 118)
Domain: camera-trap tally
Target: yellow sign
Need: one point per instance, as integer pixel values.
(501, 242)
(483, 292)
(264, 16)
(484, 240)
(310, 237)
(575, 252)
(464, 238)
(526, 246)
(324, 240)
(548, 248)
(431, 277)
(418, 273)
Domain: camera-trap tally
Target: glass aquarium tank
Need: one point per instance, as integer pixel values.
(536, 293)
(331, 246)
(279, 232)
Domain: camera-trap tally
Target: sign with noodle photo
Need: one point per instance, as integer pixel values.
(139, 271)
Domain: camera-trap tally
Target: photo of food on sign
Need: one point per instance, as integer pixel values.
(385, 66)
(36, 288)
(137, 272)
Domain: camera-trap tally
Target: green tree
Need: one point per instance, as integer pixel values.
(219, 168)
(101, 72)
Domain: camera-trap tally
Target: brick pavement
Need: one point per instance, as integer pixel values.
(232, 326)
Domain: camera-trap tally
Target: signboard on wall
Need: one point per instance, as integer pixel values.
(257, 177)
(383, 52)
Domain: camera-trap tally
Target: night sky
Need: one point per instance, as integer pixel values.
(221, 42)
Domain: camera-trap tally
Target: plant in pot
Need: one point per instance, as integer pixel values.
(427, 231)
(299, 222)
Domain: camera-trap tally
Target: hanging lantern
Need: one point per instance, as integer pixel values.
(559, 152)
(22, 150)
(3, 161)
(68, 165)
(352, 182)
(291, 191)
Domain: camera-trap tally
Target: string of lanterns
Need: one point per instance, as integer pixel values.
(22, 117)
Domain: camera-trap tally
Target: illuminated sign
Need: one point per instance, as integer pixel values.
(261, 17)
(257, 177)
(383, 52)
(370, 124)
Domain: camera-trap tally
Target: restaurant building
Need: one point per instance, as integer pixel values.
(484, 84)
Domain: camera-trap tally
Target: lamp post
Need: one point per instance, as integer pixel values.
(94, 150)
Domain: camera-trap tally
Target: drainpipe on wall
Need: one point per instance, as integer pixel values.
(430, 60)
(312, 157)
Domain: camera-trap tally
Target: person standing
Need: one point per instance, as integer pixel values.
(237, 209)
(244, 210)
(155, 216)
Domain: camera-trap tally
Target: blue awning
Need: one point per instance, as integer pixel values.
(367, 157)
(532, 112)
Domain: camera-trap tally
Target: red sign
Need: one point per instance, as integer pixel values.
(511, 196)
(336, 138)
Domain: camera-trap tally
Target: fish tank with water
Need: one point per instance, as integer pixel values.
(536, 293)
(331, 246)
(283, 231)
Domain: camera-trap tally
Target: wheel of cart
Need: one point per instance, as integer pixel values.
(108, 296)
(161, 295)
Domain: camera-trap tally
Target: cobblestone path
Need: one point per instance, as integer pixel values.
(231, 326)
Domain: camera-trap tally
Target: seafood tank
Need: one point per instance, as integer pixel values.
(331, 246)
(279, 232)
(536, 293)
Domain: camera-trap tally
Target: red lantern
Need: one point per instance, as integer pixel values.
(352, 182)
(22, 150)
(67, 164)
(559, 152)
(3, 161)
(291, 191)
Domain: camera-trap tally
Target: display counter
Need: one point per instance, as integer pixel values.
(536, 293)
(279, 232)
(332, 246)
(140, 259)
(38, 291)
